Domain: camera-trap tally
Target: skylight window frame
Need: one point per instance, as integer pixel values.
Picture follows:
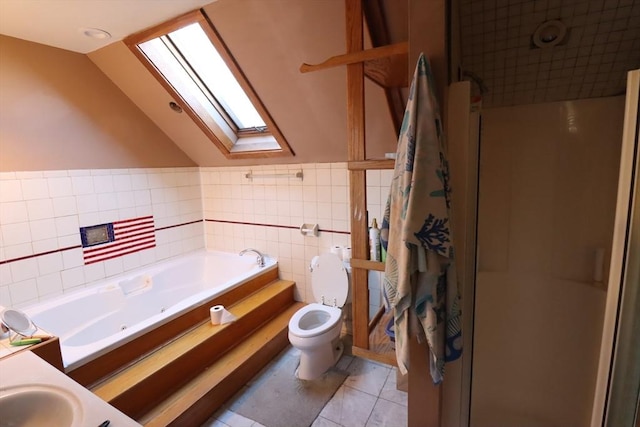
(234, 143)
(199, 82)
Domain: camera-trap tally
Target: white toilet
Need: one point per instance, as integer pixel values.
(315, 328)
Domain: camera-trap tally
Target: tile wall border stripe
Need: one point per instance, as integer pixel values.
(8, 261)
(166, 227)
(22, 258)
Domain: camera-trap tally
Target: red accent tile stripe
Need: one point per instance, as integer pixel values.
(179, 225)
(68, 248)
(7, 261)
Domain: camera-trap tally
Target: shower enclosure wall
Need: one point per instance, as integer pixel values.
(547, 193)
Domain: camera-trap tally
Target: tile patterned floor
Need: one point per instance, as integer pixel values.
(367, 398)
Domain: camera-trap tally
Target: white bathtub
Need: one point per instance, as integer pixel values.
(96, 320)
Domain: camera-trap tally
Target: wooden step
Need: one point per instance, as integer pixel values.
(197, 400)
(136, 389)
(96, 370)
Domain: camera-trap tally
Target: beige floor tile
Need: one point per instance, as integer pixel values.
(387, 414)
(349, 407)
(214, 423)
(367, 376)
(344, 362)
(355, 404)
(235, 420)
(390, 391)
(323, 422)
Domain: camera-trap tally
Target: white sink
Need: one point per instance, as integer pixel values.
(34, 393)
(36, 405)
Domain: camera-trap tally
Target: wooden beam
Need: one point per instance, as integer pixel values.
(424, 398)
(367, 264)
(371, 164)
(359, 56)
(427, 33)
(388, 359)
(379, 32)
(357, 178)
(390, 72)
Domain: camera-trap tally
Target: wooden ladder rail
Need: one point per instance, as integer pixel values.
(357, 178)
(358, 56)
(420, 391)
(355, 60)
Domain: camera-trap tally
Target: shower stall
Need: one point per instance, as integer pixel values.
(547, 194)
(538, 211)
(546, 266)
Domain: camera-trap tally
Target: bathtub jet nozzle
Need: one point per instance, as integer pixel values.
(259, 258)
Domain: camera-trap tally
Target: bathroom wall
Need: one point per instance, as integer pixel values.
(548, 179)
(41, 212)
(266, 214)
(59, 111)
(66, 145)
(269, 40)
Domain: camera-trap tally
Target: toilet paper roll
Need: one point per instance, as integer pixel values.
(220, 316)
(337, 250)
(346, 254)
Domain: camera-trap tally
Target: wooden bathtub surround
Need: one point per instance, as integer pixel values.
(49, 351)
(198, 347)
(187, 379)
(106, 364)
(198, 399)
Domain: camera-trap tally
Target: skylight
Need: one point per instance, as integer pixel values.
(188, 58)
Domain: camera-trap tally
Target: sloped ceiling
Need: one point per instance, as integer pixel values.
(60, 23)
(269, 40)
(602, 43)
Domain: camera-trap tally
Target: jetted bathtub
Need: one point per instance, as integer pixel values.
(95, 320)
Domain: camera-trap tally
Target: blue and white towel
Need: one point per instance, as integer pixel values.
(420, 271)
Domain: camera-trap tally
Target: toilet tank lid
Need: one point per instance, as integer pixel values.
(329, 280)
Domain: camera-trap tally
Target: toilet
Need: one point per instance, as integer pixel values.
(315, 328)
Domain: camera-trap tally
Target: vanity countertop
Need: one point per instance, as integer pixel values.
(25, 370)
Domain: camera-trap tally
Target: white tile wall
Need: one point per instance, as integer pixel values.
(266, 213)
(275, 209)
(41, 213)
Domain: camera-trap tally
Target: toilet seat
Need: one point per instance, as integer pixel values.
(329, 280)
(327, 318)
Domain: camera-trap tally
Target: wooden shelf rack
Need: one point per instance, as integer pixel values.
(386, 66)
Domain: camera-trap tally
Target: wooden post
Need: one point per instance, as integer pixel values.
(425, 399)
(427, 27)
(357, 178)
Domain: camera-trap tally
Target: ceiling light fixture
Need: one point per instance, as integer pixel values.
(95, 33)
(549, 34)
(175, 107)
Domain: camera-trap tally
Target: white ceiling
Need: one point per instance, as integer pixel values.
(58, 23)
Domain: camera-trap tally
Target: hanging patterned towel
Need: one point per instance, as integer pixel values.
(420, 271)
